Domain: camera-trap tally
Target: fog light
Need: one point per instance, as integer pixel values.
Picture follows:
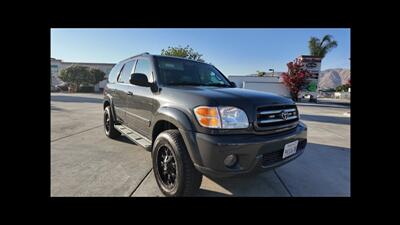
(230, 160)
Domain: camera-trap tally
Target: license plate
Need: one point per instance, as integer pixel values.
(290, 149)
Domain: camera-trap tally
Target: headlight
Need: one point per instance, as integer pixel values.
(232, 118)
(221, 117)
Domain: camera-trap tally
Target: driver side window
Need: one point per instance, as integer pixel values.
(143, 66)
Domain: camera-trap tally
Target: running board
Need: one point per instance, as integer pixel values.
(134, 136)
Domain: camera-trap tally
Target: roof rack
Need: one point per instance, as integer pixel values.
(144, 53)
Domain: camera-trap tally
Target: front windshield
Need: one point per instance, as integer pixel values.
(173, 71)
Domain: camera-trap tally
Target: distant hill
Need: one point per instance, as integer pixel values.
(332, 78)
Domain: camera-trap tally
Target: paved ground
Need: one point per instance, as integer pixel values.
(84, 162)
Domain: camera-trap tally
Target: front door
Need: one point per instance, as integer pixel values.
(139, 105)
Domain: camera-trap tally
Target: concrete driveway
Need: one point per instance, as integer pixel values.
(84, 162)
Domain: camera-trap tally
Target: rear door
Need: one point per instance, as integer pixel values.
(139, 106)
(122, 91)
(112, 88)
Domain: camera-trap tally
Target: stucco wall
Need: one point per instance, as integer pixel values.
(266, 83)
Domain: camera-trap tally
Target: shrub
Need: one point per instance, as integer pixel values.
(296, 78)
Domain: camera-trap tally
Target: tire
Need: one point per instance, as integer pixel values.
(109, 128)
(187, 179)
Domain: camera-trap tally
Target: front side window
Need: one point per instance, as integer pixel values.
(143, 66)
(174, 71)
(126, 72)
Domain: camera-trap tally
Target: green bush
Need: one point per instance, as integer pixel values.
(344, 87)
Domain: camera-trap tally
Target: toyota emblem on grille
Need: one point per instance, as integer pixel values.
(284, 115)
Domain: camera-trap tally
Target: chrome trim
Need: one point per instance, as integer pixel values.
(270, 112)
(277, 120)
(276, 111)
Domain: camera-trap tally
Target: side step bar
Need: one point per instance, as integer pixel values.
(134, 136)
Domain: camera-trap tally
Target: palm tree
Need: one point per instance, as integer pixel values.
(320, 48)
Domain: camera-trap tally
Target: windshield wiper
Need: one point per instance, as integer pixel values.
(218, 85)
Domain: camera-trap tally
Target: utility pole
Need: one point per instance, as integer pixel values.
(272, 70)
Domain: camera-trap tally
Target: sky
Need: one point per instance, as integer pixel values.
(232, 51)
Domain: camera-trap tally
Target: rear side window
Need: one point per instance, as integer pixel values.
(126, 72)
(112, 76)
(143, 66)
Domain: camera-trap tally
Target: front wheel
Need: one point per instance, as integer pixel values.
(173, 169)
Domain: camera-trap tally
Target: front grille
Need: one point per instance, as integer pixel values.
(277, 117)
(274, 157)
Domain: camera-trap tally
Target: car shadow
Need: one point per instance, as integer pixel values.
(322, 171)
(325, 119)
(71, 98)
(124, 139)
(208, 193)
(264, 184)
(329, 176)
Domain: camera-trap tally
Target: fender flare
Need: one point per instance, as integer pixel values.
(108, 98)
(186, 128)
(175, 116)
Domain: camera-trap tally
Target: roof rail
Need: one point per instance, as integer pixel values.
(144, 53)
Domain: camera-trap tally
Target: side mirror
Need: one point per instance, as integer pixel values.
(139, 79)
(233, 84)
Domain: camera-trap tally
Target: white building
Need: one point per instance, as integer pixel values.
(265, 83)
(56, 65)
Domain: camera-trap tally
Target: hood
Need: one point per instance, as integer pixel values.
(245, 99)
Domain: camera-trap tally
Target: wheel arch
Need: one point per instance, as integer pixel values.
(108, 102)
(172, 118)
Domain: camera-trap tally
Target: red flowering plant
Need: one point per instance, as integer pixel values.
(296, 78)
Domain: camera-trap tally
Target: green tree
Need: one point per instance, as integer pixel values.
(261, 73)
(183, 52)
(320, 48)
(75, 76)
(344, 87)
(96, 75)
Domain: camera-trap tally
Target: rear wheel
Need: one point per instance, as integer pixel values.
(173, 169)
(109, 128)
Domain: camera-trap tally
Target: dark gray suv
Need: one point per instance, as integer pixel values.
(195, 121)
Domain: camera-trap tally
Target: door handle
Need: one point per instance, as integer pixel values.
(129, 93)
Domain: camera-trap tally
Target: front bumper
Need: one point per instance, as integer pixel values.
(256, 153)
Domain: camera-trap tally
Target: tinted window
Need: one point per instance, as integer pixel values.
(174, 71)
(126, 72)
(143, 66)
(112, 77)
